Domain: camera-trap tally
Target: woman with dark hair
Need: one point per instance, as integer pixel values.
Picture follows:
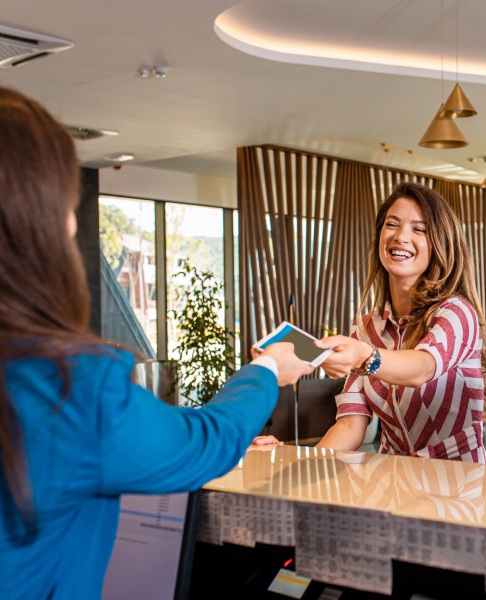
(75, 431)
(416, 353)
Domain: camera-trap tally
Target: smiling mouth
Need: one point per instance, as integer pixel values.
(400, 254)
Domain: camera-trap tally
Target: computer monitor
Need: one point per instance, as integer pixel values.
(154, 548)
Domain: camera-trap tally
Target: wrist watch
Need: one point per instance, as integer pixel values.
(371, 365)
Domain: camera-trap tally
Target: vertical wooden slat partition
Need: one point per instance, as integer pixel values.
(306, 222)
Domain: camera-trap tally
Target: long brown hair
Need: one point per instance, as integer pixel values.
(44, 299)
(449, 273)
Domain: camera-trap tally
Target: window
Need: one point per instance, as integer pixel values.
(128, 291)
(135, 237)
(194, 236)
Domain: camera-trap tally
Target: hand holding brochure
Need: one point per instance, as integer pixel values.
(303, 343)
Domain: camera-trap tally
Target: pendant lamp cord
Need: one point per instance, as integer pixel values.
(457, 44)
(442, 44)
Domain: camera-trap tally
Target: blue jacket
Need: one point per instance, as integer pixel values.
(110, 437)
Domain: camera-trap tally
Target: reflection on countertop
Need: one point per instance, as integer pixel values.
(404, 486)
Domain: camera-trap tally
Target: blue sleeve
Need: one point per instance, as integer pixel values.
(147, 446)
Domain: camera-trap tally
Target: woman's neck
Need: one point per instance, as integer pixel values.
(401, 301)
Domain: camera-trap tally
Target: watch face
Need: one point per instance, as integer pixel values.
(374, 366)
(371, 366)
(374, 362)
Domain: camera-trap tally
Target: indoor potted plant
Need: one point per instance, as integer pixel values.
(205, 348)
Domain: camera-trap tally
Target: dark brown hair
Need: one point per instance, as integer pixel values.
(44, 299)
(449, 273)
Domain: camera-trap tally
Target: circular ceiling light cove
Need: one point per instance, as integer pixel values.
(254, 28)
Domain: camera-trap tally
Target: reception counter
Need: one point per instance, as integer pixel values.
(349, 515)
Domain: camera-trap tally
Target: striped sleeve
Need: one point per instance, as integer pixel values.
(454, 335)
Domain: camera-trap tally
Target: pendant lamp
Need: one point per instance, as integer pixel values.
(457, 106)
(443, 134)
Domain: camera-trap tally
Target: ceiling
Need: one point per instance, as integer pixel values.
(359, 79)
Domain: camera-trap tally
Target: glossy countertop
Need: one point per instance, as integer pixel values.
(412, 487)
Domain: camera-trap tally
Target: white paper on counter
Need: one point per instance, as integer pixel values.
(246, 520)
(209, 523)
(344, 546)
(439, 544)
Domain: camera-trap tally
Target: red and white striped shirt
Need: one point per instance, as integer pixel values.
(444, 417)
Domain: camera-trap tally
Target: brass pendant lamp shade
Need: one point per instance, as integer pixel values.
(457, 105)
(442, 134)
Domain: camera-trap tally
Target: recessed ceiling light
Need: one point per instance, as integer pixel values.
(120, 157)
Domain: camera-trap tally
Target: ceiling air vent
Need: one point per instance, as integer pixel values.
(83, 133)
(18, 47)
(86, 133)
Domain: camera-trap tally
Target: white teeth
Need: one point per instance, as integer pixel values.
(400, 253)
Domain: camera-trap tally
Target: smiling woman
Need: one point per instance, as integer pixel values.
(427, 327)
(415, 360)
